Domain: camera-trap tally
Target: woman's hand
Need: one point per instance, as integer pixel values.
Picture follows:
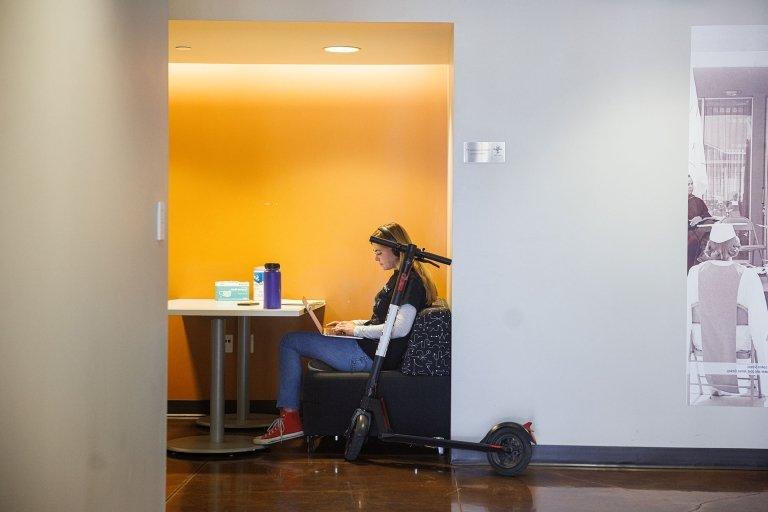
(697, 219)
(343, 328)
(331, 325)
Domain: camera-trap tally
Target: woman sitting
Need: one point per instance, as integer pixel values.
(347, 354)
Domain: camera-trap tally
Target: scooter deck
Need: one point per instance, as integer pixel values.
(434, 441)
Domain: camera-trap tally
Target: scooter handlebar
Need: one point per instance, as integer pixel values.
(420, 254)
(435, 257)
(388, 243)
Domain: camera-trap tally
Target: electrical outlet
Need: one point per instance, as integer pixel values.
(229, 343)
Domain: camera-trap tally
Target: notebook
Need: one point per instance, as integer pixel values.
(320, 327)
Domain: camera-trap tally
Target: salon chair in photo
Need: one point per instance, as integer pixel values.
(742, 351)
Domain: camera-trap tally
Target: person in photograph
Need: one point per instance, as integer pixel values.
(697, 212)
(726, 311)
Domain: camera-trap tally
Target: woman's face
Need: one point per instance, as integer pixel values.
(385, 257)
(690, 185)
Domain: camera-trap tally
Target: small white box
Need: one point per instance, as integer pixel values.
(232, 290)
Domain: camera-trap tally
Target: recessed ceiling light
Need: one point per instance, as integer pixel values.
(341, 49)
(183, 47)
(732, 92)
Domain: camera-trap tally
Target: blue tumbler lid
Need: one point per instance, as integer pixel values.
(272, 266)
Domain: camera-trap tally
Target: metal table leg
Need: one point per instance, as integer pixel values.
(216, 442)
(243, 418)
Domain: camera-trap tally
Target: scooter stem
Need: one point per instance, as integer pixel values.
(394, 306)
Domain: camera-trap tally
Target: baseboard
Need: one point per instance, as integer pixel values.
(633, 457)
(202, 407)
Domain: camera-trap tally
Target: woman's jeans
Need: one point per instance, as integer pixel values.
(342, 354)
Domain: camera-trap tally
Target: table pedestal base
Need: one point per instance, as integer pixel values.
(203, 444)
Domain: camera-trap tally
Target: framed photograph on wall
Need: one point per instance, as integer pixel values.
(727, 317)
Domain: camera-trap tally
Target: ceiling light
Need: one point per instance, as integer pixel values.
(341, 49)
(183, 47)
(732, 92)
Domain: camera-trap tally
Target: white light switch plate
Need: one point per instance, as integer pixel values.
(160, 221)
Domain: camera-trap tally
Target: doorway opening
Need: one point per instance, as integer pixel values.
(282, 151)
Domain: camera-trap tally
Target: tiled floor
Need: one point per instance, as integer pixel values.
(286, 478)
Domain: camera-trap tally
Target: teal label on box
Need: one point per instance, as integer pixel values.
(234, 291)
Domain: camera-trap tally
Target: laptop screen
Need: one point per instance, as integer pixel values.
(312, 315)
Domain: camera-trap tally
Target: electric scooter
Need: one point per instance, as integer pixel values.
(508, 445)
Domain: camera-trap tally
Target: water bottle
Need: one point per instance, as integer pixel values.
(258, 284)
(272, 297)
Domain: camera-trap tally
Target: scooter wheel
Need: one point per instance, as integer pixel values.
(361, 424)
(517, 450)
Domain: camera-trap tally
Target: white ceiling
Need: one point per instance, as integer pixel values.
(257, 42)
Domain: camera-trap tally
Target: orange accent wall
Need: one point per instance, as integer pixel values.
(296, 164)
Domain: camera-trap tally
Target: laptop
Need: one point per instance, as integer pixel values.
(319, 326)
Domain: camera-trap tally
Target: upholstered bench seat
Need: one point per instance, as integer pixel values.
(417, 396)
(418, 405)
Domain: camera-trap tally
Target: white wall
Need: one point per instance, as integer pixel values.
(83, 158)
(568, 283)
